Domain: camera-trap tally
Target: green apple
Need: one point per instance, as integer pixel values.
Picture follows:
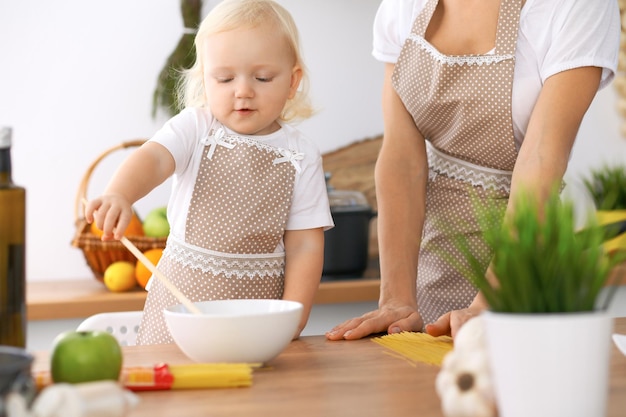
(155, 224)
(85, 356)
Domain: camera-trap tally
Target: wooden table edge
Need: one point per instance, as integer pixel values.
(67, 299)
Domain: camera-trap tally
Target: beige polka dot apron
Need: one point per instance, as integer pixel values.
(462, 106)
(237, 217)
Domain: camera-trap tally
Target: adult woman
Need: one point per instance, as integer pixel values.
(482, 93)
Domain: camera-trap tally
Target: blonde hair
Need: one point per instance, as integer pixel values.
(235, 14)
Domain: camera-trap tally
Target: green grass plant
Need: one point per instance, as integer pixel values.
(542, 263)
(607, 186)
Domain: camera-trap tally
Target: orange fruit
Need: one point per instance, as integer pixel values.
(135, 228)
(143, 274)
(94, 229)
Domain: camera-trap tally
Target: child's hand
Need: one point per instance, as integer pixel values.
(111, 213)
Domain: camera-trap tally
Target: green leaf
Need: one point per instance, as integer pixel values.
(543, 264)
(607, 186)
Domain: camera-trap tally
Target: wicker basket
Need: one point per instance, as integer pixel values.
(98, 254)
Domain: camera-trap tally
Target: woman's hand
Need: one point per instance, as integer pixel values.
(389, 318)
(450, 323)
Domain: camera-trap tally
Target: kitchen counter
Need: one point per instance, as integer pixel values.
(314, 377)
(66, 299)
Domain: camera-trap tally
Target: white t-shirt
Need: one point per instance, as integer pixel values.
(554, 36)
(182, 136)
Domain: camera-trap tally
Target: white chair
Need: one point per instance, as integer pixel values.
(123, 325)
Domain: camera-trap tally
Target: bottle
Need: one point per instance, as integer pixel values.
(12, 251)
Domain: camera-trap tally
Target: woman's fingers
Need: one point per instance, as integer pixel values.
(348, 327)
(378, 321)
(450, 323)
(441, 327)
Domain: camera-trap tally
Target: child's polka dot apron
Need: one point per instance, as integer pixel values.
(237, 217)
(462, 106)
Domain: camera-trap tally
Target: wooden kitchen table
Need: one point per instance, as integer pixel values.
(317, 378)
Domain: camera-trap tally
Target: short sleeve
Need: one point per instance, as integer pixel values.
(309, 207)
(583, 33)
(182, 133)
(392, 26)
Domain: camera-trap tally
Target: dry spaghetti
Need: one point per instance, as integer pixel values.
(417, 347)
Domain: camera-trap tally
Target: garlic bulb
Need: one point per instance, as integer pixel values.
(89, 399)
(464, 381)
(471, 336)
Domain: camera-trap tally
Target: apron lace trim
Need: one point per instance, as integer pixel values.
(458, 59)
(220, 138)
(229, 265)
(487, 178)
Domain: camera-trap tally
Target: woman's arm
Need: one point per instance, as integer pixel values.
(543, 157)
(401, 175)
(304, 260)
(140, 173)
(552, 129)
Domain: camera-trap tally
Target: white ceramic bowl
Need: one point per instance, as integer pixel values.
(234, 330)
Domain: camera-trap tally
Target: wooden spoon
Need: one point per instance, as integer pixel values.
(152, 268)
(164, 280)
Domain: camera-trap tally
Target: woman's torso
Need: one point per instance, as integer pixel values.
(547, 43)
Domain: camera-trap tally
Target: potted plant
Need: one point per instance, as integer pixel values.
(165, 95)
(547, 332)
(607, 187)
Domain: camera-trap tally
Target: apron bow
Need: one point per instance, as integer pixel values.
(290, 156)
(216, 139)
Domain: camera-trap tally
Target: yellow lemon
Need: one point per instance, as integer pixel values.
(120, 276)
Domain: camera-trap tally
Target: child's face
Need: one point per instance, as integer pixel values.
(248, 76)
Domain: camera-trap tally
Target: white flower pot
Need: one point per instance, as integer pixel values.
(550, 364)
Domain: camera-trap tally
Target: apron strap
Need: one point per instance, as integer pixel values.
(423, 18)
(508, 27)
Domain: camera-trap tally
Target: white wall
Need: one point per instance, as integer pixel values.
(76, 77)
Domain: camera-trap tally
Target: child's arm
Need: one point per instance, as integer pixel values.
(140, 173)
(304, 260)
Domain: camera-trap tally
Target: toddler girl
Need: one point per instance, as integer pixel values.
(248, 207)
